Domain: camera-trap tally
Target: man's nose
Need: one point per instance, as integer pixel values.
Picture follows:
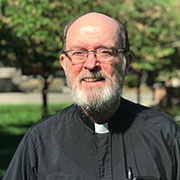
(91, 61)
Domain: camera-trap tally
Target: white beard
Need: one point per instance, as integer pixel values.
(98, 99)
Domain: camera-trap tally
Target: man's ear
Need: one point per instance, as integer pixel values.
(129, 59)
(62, 62)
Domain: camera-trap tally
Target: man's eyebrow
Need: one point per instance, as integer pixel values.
(97, 47)
(77, 47)
(103, 46)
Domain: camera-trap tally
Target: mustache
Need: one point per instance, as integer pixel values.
(92, 75)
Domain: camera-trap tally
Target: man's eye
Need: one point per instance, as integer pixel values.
(77, 53)
(106, 52)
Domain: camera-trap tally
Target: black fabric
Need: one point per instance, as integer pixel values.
(65, 147)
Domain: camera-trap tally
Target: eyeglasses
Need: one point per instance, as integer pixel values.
(79, 56)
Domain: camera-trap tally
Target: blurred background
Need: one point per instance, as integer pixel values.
(32, 83)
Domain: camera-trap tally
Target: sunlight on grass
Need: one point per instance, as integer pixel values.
(15, 130)
(23, 114)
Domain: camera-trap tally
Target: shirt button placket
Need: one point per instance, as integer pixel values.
(104, 156)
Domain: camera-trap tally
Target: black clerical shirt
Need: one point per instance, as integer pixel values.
(66, 146)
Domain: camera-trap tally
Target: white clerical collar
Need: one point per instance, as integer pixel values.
(101, 128)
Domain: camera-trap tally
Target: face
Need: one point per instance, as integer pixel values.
(95, 86)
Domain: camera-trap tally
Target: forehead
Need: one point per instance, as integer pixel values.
(93, 29)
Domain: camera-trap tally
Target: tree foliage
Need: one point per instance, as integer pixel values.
(31, 32)
(154, 36)
(153, 31)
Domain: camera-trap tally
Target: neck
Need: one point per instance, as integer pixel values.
(104, 116)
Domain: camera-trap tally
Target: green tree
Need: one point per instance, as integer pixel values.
(35, 28)
(153, 32)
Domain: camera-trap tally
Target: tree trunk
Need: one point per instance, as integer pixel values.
(138, 87)
(44, 97)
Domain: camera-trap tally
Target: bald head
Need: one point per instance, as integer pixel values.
(89, 21)
(95, 19)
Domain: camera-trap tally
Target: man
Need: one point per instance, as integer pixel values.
(101, 136)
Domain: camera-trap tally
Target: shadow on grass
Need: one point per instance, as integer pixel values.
(9, 142)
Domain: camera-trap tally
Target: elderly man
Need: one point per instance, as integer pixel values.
(101, 136)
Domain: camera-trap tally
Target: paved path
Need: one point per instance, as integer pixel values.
(32, 98)
(36, 98)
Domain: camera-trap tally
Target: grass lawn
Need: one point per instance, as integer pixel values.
(14, 122)
(16, 119)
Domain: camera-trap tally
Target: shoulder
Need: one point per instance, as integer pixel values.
(57, 117)
(159, 120)
(150, 120)
(53, 123)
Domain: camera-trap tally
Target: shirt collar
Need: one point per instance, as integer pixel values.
(93, 127)
(101, 128)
